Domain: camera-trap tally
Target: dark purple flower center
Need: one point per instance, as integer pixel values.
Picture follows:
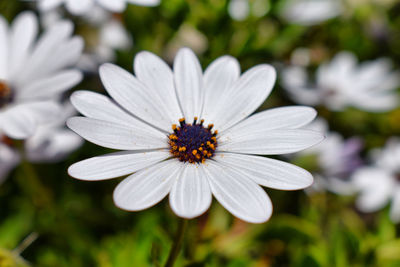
(193, 143)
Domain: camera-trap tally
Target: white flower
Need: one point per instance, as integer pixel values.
(341, 83)
(52, 142)
(80, 7)
(34, 73)
(9, 158)
(161, 119)
(310, 12)
(337, 159)
(380, 183)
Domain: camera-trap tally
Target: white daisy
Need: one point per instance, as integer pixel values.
(342, 83)
(337, 159)
(164, 122)
(34, 73)
(80, 7)
(310, 12)
(379, 183)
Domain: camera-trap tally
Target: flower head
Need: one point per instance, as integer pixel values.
(31, 80)
(342, 83)
(188, 134)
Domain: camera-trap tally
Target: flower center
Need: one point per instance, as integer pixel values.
(6, 140)
(193, 143)
(6, 95)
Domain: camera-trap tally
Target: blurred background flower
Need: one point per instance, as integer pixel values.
(342, 57)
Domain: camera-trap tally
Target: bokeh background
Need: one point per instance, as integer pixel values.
(77, 223)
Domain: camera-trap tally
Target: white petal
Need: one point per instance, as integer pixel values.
(395, 207)
(273, 142)
(4, 43)
(245, 96)
(117, 136)
(267, 172)
(52, 86)
(159, 79)
(24, 31)
(97, 106)
(46, 5)
(191, 195)
(375, 186)
(145, 2)
(113, 5)
(189, 83)
(147, 187)
(115, 164)
(239, 195)
(218, 79)
(18, 122)
(273, 119)
(133, 95)
(79, 7)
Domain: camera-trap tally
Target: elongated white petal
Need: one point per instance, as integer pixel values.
(51, 86)
(267, 172)
(4, 36)
(44, 111)
(246, 95)
(133, 95)
(115, 164)
(239, 195)
(147, 187)
(46, 5)
(79, 7)
(145, 2)
(117, 136)
(113, 5)
(189, 83)
(191, 195)
(24, 31)
(18, 122)
(375, 186)
(269, 143)
(272, 119)
(159, 79)
(218, 79)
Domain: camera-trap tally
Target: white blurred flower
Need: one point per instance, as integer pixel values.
(81, 7)
(34, 73)
(9, 158)
(106, 33)
(337, 159)
(379, 183)
(159, 118)
(52, 142)
(341, 83)
(310, 12)
(241, 9)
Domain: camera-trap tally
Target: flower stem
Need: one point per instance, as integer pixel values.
(176, 246)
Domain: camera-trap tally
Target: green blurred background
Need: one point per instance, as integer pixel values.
(78, 225)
